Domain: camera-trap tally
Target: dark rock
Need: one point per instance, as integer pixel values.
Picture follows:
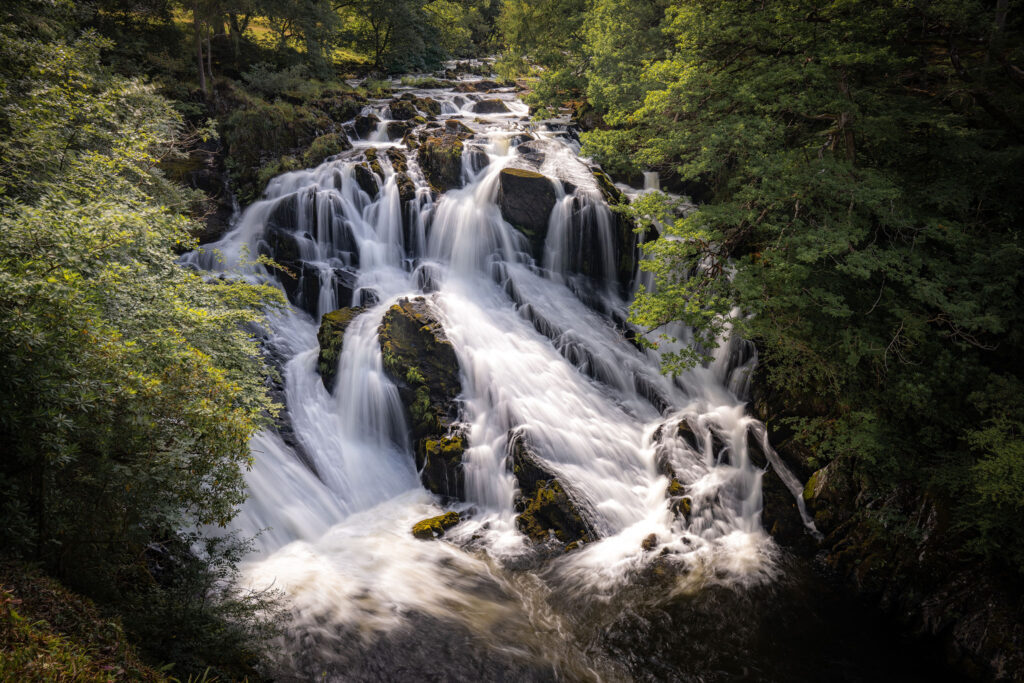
(490, 107)
(366, 180)
(457, 127)
(650, 542)
(365, 125)
(422, 362)
(478, 159)
(398, 160)
(435, 527)
(545, 507)
(526, 199)
(440, 159)
(340, 107)
(331, 337)
(402, 110)
(406, 188)
(373, 161)
(397, 130)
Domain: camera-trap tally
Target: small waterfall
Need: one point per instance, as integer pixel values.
(539, 337)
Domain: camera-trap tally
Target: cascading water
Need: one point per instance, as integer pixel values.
(543, 356)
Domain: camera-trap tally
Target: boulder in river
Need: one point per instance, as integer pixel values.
(545, 508)
(331, 338)
(493, 106)
(526, 199)
(402, 110)
(440, 158)
(325, 146)
(422, 362)
(366, 180)
(365, 125)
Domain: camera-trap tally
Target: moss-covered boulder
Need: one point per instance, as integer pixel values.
(402, 110)
(331, 338)
(398, 160)
(428, 106)
(440, 159)
(365, 125)
(374, 161)
(396, 130)
(526, 199)
(545, 508)
(477, 86)
(340, 106)
(435, 527)
(493, 106)
(325, 146)
(829, 496)
(422, 363)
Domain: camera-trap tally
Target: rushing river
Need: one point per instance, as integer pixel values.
(544, 351)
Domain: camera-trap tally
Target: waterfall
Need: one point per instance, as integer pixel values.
(538, 331)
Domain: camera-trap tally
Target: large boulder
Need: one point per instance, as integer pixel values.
(366, 180)
(428, 106)
(331, 338)
(477, 86)
(440, 159)
(490, 107)
(546, 509)
(435, 527)
(526, 199)
(365, 125)
(422, 363)
(402, 110)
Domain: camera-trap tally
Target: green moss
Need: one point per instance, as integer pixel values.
(523, 173)
(811, 486)
(435, 526)
(676, 488)
(330, 338)
(374, 161)
(325, 146)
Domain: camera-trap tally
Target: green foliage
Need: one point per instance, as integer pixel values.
(132, 384)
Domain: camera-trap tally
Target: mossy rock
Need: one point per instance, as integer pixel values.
(396, 130)
(398, 160)
(341, 106)
(331, 338)
(325, 146)
(493, 106)
(275, 168)
(435, 527)
(611, 194)
(374, 161)
(402, 110)
(365, 125)
(546, 510)
(440, 159)
(428, 106)
(440, 465)
(526, 199)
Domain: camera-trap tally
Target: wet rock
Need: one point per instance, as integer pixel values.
(398, 160)
(490, 107)
(829, 495)
(373, 161)
(478, 159)
(366, 180)
(434, 527)
(457, 127)
(650, 542)
(422, 363)
(402, 110)
(526, 199)
(428, 106)
(411, 141)
(396, 130)
(325, 146)
(440, 159)
(611, 194)
(331, 338)
(406, 189)
(341, 106)
(365, 125)
(439, 462)
(545, 508)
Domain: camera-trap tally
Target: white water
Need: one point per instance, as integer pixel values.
(533, 356)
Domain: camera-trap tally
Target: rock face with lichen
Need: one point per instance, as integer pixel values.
(435, 527)
(422, 363)
(545, 508)
(331, 337)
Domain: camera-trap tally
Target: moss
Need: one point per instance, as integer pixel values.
(676, 488)
(811, 487)
(325, 146)
(374, 161)
(435, 526)
(523, 173)
(550, 511)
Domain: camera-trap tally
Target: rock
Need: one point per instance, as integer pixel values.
(650, 542)
(340, 107)
(829, 495)
(435, 527)
(780, 515)
(331, 337)
(422, 363)
(398, 160)
(365, 125)
(396, 130)
(366, 180)
(611, 194)
(439, 462)
(490, 107)
(373, 161)
(428, 106)
(526, 199)
(406, 189)
(325, 146)
(440, 159)
(544, 506)
(457, 127)
(411, 141)
(402, 110)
